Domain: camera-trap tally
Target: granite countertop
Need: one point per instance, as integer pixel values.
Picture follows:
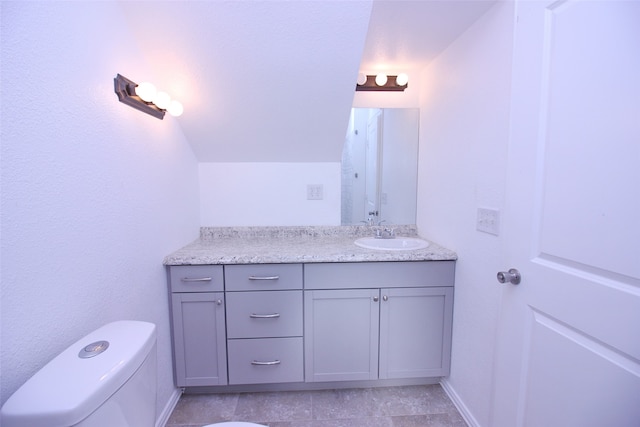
(262, 245)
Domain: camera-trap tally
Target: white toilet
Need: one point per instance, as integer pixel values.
(106, 379)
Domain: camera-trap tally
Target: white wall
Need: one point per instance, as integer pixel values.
(463, 148)
(94, 193)
(268, 194)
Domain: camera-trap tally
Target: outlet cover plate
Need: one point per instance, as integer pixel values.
(314, 192)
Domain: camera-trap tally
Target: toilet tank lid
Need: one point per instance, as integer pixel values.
(69, 388)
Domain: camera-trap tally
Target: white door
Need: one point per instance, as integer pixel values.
(568, 351)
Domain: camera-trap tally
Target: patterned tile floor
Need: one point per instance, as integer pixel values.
(411, 406)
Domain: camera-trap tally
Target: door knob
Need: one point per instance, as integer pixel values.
(512, 276)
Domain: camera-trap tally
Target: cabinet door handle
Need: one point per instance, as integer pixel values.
(264, 277)
(375, 299)
(385, 298)
(219, 302)
(269, 363)
(196, 279)
(264, 316)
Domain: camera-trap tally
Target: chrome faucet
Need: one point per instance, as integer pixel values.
(385, 233)
(369, 222)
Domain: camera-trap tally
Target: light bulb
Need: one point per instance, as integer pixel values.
(381, 79)
(162, 100)
(175, 108)
(146, 91)
(402, 79)
(362, 79)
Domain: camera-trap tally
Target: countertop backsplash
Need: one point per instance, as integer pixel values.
(355, 231)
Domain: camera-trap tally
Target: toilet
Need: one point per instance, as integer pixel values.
(106, 379)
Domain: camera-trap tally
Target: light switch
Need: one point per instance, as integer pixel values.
(488, 221)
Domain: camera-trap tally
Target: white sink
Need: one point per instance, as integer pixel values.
(397, 244)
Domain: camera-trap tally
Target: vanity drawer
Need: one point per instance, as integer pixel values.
(265, 360)
(264, 314)
(196, 278)
(258, 277)
(364, 275)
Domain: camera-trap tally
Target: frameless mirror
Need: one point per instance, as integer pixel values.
(380, 166)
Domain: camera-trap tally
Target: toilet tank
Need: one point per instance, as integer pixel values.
(108, 378)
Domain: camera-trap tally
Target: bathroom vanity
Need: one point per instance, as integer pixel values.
(304, 307)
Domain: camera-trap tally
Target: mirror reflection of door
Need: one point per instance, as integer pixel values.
(373, 170)
(379, 166)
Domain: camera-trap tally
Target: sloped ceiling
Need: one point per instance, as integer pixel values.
(408, 35)
(273, 81)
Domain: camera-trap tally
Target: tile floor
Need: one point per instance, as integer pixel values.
(411, 406)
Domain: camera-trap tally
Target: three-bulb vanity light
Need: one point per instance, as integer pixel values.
(145, 97)
(382, 82)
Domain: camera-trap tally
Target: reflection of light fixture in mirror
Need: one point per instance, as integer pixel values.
(382, 83)
(144, 97)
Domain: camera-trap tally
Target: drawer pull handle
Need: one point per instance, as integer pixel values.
(264, 277)
(264, 316)
(196, 279)
(270, 363)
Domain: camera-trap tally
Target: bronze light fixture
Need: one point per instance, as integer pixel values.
(382, 83)
(145, 98)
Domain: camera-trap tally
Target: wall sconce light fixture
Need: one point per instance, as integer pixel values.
(146, 98)
(381, 82)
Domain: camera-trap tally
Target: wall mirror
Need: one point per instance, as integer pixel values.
(380, 166)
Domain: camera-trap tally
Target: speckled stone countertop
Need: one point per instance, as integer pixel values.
(262, 245)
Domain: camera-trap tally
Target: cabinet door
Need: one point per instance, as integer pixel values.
(341, 334)
(199, 339)
(415, 332)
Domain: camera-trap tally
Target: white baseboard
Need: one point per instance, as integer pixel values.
(459, 404)
(168, 408)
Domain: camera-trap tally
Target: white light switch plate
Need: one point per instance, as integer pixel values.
(488, 221)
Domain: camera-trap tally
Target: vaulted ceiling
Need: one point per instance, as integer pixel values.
(273, 81)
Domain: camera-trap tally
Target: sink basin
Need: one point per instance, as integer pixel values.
(397, 244)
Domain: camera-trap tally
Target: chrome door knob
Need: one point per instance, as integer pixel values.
(512, 276)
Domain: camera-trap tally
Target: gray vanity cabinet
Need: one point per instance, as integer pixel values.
(198, 325)
(368, 321)
(284, 325)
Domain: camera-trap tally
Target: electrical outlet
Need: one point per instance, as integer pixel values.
(488, 221)
(314, 192)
